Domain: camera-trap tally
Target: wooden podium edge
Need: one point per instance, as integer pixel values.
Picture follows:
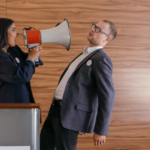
(19, 105)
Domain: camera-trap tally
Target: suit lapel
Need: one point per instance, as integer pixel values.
(68, 67)
(80, 64)
(85, 59)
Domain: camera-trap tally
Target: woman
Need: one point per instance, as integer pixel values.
(16, 67)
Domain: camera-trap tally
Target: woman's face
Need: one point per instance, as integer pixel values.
(12, 35)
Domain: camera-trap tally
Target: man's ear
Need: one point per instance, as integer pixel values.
(108, 39)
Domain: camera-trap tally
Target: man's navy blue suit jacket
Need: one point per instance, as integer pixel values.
(89, 95)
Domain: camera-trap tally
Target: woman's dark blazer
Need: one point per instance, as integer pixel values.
(15, 75)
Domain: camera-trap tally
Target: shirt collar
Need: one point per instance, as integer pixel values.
(91, 49)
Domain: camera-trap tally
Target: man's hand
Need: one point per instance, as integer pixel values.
(98, 139)
(82, 133)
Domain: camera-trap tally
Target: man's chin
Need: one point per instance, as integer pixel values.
(88, 38)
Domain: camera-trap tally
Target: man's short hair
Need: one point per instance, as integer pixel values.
(113, 29)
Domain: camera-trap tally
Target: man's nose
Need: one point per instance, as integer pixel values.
(93, 29)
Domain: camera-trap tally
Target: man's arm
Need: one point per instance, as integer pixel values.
(106, 96)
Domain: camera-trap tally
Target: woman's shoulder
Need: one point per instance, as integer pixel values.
(15, 48)
(2, 53)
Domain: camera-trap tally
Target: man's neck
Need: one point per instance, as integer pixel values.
(91, 45)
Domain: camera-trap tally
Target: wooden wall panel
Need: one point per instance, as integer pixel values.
(132, 92)
(122, 136)
(132, 40)
(126, 58)
(130, 53)
(3, 9)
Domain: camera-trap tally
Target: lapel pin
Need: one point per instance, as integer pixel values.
(17, 60)
(89, 62)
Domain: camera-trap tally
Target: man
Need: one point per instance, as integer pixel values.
(84, 98)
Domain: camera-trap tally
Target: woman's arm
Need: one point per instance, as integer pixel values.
(12, 73)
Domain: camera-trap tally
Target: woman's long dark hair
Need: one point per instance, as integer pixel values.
(5, 23)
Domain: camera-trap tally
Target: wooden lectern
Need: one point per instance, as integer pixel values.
(20, 125)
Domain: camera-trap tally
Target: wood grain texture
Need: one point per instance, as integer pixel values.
(18, 106)
(57, 56)
(129, 49)
(131, 88)
(3, 9)
(130, 53)
(122, 136)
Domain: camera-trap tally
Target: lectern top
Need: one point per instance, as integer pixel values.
(19, 105)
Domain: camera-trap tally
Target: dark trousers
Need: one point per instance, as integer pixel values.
(54, 135)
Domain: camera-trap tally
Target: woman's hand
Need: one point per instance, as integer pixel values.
(34, 52)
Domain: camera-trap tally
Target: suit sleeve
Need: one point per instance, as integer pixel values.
(106, 96)
(10, 72)
(25, 55)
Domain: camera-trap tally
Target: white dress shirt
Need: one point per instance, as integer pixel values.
(58, 94)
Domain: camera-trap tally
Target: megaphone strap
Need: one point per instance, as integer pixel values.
(57, 24)
(28, 28)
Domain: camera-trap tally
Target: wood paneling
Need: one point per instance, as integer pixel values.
(130, 53)
(57, 56)
(123, 78)
(3, 9)
(122, 136)
(18, 106)
(132, 91)
(129, 49)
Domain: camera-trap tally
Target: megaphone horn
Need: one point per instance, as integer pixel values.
(59, 35)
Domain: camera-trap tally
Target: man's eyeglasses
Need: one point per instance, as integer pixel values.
(97, 29)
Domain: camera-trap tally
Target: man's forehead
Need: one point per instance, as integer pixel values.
(102, 25)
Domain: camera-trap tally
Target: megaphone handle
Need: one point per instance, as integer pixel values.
(39, 62)
(34, 45)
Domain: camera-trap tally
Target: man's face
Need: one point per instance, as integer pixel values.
(99, 38)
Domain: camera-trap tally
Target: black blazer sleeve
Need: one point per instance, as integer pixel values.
(106, 95)
(12, 73)
(25, 55)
